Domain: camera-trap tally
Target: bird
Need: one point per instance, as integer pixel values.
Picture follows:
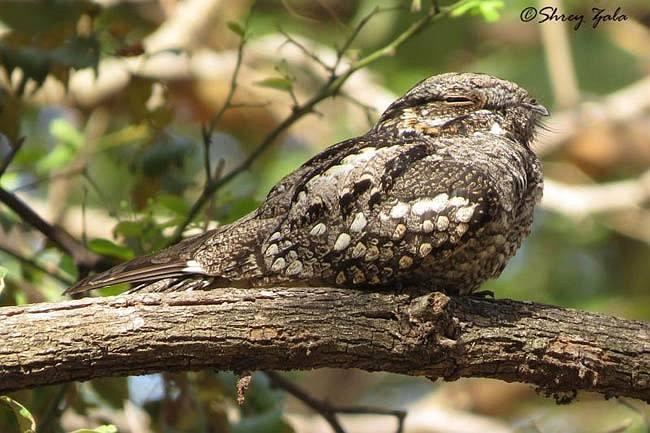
(439, 194)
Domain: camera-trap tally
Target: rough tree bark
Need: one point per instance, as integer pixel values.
(558, 350)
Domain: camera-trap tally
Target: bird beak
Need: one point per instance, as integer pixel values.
(537, 108)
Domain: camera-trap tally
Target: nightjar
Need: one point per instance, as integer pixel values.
(439, 194)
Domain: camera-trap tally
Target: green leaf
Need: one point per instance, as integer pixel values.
(489, 10)
(78, 53)
(128, 229)
(109, 428)
(106, 247)
(177, 205)
(25, 419)
(236, 28)
(278, 83)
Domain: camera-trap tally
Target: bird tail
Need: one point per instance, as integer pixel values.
(175, 261)
(135, 272)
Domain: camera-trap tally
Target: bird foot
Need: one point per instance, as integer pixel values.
(483, 294)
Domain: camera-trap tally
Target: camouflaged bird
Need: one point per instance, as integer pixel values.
(439, 194)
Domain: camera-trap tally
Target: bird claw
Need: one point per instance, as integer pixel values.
(483, 294)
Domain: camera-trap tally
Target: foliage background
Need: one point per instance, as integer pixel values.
(111, 96)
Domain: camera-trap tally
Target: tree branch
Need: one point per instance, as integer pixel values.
(83, 258)
(558, 350)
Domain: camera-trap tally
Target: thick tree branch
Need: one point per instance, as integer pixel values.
(558, 350)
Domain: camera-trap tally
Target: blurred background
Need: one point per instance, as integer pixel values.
(106, 110)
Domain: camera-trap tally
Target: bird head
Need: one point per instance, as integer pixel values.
(465, 104)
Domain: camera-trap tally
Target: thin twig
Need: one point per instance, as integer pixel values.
(53, 410)
(329, 411)
(64, 279)
(15, 147)
(330, 88)
(208, 130)
(340, 52)
(306, 51)
(61, 175)
(367, 109)
(323, 408)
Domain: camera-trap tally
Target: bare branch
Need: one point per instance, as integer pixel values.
(323, 408)
(558, 350)
(580, 200)
(307, 52)
(559, 61)
(83, 258)
(329, 411)
(14, 148)
(622, 105)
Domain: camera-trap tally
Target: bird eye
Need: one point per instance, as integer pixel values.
(459, 100)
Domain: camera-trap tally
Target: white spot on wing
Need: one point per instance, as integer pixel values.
(359, 223)
(442, 223)
(278, 265)
(319, 229)
(339, 170)
(458, 201)
(294, 268)
(363, 156)
(497, 129)
(272, 250)
(425, 205)
(464, 214)
(194, 267)
(399, 210)
(342, 242)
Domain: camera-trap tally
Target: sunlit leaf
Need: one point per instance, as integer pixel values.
(69, 141)
(26, 422)
(489, 10)
(106, 247)
(278, 83)
(63, 130)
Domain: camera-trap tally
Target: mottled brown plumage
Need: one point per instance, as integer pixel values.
(439, 194)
